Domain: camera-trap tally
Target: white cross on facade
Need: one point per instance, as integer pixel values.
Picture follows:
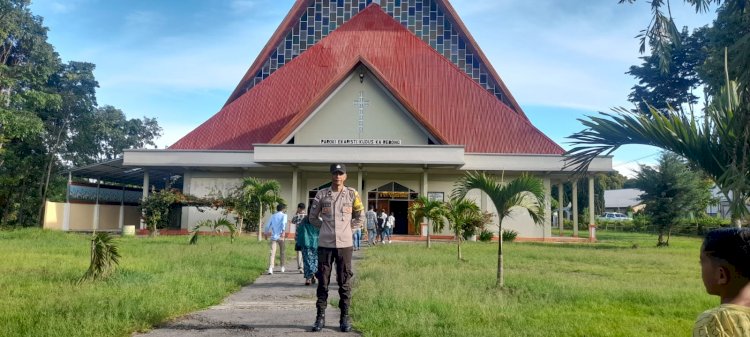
(361, 104)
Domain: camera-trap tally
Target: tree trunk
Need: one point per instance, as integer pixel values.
(661, 242)
(460, 257)
(241, 224)
(260, 222)
(45, 187)
(500, 271)
(429, 242)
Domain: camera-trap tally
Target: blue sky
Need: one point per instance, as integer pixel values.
(178, 61)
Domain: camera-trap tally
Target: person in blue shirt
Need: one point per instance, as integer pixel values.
(275, 229)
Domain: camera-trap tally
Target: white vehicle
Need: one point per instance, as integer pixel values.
(614, 216)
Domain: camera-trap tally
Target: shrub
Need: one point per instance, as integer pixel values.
(509, 235)
(485, 235)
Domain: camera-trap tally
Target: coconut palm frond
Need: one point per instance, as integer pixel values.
(104, 257)
(223, 222)
(434, 211)
(719, 145)
(196, 231)
(526, 192)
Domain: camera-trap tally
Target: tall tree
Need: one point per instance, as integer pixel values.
(49, 117)
(662, 35)
(525, 192)
(671, 191)
(432, 210)
(673, 87)
(103, 134)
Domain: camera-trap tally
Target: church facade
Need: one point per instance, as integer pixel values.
(396, 89)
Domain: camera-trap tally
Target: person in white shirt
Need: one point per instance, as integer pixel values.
(276, 228)
(389, 224)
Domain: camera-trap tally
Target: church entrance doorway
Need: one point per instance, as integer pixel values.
(396, 198)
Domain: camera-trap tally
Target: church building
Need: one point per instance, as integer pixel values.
(398, 90)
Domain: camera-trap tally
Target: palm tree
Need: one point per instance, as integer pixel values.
(526, 192)
(433, 210)
(265, 194)
(462, 213)
(719, 145)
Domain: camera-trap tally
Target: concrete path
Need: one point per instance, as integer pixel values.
(275, 305)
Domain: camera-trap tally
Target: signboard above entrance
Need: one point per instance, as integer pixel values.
(360, 142)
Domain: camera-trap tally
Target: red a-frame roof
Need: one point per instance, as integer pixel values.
(300, 6)
(440, 95)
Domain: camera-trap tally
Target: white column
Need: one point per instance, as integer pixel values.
(560, 213)
(66, 209)
(360, 177)
(575, 207)
(425, 189)
(187, 177)
(547, 208)
(592, 211)
(121, 218)
(96, 206)
(145, 193)
(295, 188)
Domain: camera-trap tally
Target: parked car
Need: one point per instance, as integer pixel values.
(614, 216)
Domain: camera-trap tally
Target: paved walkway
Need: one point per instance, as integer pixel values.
(275, 305)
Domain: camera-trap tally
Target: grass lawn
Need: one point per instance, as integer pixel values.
(621, 286)
(158, 279)
(606, 289)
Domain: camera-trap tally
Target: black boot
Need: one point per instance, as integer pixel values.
(320, 320)
(345, 323)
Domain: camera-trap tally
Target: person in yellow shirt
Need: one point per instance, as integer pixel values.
(725, 269)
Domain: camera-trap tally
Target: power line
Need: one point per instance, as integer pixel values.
(637, 159)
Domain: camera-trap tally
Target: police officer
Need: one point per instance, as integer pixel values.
(336, 211)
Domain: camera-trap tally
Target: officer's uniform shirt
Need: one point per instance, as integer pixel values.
(336, 214)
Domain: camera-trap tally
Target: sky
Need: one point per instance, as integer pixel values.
(179, 60)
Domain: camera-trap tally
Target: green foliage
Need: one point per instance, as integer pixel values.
(104, 257)
(525, 192)
(433, 210)
(265, 194)
(216, 226)
(464, 215)
(156, 280)
(670, 191)
(485, 235)
(719, 146)
(155, 208)
(671, 87)
(49, 118)
(509, 235)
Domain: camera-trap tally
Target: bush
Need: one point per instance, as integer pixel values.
(509, 235)
(485, 236)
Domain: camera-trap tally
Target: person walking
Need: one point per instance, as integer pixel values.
(372, 222)
(382, 217)
(357, 237)
(336, 210)
(390, 223)
(296, 220)
(276, 228)
(307, 238)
